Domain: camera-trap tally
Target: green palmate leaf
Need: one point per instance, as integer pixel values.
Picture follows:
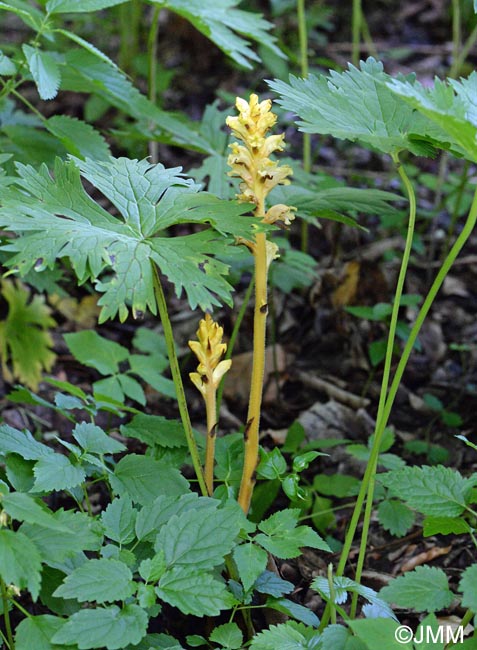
(200, 538)
(425, 589)
(57, 472)
(143, 479)
(44, 70)
(467, 587)
(103, 580)
(251, 562)
(23, 507)
(451, 106)
(219, 21)
(149, 199)
(395, 517)
(286, 636)
(93, 350)
(119, 519)
(436, 491)
(358, 105)
(22, 443)
(78, 137)
(25, 340)
(109, 627)
(282, 538)
(71, 6)
(228, 635)
(36, 632)
(194, 592)
(93, 439)
(20, 561)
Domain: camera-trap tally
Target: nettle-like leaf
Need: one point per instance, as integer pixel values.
(436, 491)
(222, 23)
(425, 589)
(109, 627)
(73, 6)
(467, 587)
(103, 580)
(286, 636)
(45, 71)
(36, 632)
(357, 105)
(120, 253)
(395, 517)
(280, 535)
(20, 561)
(450, 105)
(25, 341)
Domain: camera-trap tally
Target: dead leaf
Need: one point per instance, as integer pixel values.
(424, 557)
(83, 313)
(346, 291)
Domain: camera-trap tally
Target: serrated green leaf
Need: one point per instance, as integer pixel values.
(194, 592)
(451, 106)
(37, 631)
(30, 15)
(92, 438)
(89, 47)
(395, 517)
(358, 105)
(377, 632)
(25, 340)
(228, 635)
(103, 581)
(84, 534)
(143, 479)
(20, 561)
(149, 198)
(108, 627)
(7, 66)
(445, 526)
(44, 70)
(155, 430)
(251, 562)
(425, 589)
(95, 351)
(73, 6)
(152, 517)
(23, 507)
(467, 587)
(22, 443)
(78, 137)
(149, 369)
(283, 539)
(219, 21)
(343, 586)
(152, 569)
(338, 485)
(286, 636)
(200, 538)
(119, 519)
(435, 491)
(57, 472)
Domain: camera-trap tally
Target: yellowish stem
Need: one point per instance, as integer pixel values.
(211, 409)
(259, 333)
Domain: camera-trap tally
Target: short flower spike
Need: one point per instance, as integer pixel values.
(208, 350)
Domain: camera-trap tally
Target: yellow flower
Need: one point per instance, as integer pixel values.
(251, 161)
(208, 349)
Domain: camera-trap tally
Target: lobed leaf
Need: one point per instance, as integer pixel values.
(358, 105)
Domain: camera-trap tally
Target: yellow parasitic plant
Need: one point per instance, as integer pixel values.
(209, 349)
(250, 161)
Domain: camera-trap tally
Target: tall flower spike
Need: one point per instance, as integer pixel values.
(208, 349)
(251, 161)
